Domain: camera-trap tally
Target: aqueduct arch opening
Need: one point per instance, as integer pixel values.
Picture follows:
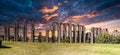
(16, 25)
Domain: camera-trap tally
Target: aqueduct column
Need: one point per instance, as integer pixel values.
(67, 31)
(16, 30)
(39, 37)
(55, 25)
(5, 32)
(53, 32)
(64, 31)
(61, 31)
(83, 34)
(74, 33)
(47, 35)
(93, 34)
(8, 33)
(9, 27)
(70, 32)
(75, 29)
(24, 30)
(32, 30)
(99, 30)
(79, 33)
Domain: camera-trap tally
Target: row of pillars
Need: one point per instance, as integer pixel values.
(16, 28)
(75, 33)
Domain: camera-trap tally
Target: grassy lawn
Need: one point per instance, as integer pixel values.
(29, 48)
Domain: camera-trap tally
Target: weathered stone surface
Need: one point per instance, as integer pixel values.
(24, 27)
(47, 35)
(0, 43)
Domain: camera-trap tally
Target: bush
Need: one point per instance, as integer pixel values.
(0, 43)
(66, 40)
(106, 38)
(118, 40)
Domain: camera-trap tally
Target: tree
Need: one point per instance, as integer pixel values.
(107, 38)
(104, 38)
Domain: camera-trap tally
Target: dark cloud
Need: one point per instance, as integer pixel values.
(12, 9)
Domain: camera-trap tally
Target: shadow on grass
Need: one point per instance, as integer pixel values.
(5, 47)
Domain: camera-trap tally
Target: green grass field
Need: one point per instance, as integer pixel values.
(29, 48)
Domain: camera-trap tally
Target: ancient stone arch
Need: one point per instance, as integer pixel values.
(67, 31)
(74, 33)
(7, 32)
(55, 25)
(16, 27)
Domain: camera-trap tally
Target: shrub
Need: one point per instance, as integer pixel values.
(106, 38)
(66, 40)
(118, 40)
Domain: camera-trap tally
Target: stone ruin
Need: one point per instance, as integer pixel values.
(74, 32)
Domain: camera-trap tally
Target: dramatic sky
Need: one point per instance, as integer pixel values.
(91, 13)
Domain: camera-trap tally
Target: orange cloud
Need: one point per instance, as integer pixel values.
(38, 26)
(82, 16)
(66, 20)
(48, 17)
(49, 10)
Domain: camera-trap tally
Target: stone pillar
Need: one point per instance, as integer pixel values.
(95, 34)
(9, 27)
(53, 32)
(64, 31)
(47, 35)
(32, 31)
(39, 37)
(67, 31)
(83, 34)
(105, 30)
(74, 33)
(16, 30)
(59, 32)
(70, 32)
(55, 25)
(24, 30)
(5, 32)
(8, 33)
(99, 31)
(92, 35)
(75, 29)
(79, 33)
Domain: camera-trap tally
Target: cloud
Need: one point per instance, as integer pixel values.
(111, 25)
(49, 10)
(48, 17)
(68, 11)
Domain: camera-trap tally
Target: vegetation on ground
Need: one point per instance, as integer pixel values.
(29, 48)
(107, 38)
